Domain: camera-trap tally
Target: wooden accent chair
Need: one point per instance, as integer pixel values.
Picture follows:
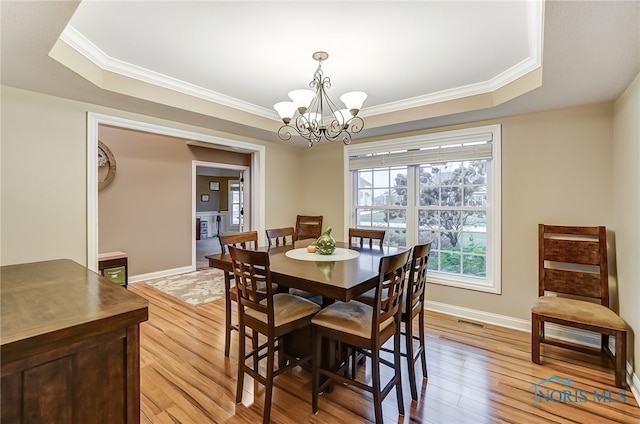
(248, 239)
(281, 236)
(366, 234)
(308, 227)
(274, 316)
(364, 327)
(564, 253)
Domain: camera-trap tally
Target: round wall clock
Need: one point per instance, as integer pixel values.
(106, 166)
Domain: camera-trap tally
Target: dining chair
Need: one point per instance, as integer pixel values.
(412, 306)
(247, 239)
(572, 261)
(365, 327)
(281, 236)
(273, 316)
(308, 227)
(359, 235)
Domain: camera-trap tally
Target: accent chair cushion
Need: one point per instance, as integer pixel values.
(578, 311)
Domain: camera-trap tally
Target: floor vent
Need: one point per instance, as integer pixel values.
(475, 324)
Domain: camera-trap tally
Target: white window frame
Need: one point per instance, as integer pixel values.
(492, 283)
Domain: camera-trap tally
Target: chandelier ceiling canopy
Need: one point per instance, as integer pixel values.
(313, 115)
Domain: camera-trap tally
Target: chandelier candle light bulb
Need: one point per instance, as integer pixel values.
(313, 115)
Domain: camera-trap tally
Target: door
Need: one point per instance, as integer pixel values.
(236, 205)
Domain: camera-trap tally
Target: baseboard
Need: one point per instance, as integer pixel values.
(161, 274)
(574, 335)
(482, 316)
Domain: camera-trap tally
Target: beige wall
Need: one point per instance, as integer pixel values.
(285, 186)
(43, 178)
(218, 200)
(626, 206)
(147, 210)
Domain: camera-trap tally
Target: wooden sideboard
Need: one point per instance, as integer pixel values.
(70, 346)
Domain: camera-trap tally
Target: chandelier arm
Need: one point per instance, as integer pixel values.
(355, 124)
(284, 132)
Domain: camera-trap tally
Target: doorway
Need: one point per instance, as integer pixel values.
(256, 171)
(220, 193)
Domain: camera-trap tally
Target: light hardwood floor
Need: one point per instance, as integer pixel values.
(476, 375)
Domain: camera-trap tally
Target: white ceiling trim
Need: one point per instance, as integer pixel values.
(535, 18)
(86, 48)
(523, 68)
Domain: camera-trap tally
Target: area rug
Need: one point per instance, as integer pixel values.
(194, 288)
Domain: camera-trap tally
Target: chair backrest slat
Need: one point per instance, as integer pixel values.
(244, 240)
(586, 284)
(308, 226)
(572, 251)
(362, 234)
(573, 261)
(281, 236)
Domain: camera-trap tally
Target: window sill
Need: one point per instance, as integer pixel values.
(487, 286)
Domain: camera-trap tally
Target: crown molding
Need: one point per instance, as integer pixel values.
(535, 15)
(86, 48)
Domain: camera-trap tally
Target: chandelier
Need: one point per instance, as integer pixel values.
(313, 115)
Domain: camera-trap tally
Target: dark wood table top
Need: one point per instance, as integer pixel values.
(44, 303)
(338, 280)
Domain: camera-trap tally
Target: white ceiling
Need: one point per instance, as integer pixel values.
(247, 55)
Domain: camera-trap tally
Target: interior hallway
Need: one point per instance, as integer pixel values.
(207, 246)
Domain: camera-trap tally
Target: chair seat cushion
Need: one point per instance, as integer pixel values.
(350, 317)
(315, 298)
(578, 311)
(287, 308)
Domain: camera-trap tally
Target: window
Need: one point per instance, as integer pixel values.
(443, 188)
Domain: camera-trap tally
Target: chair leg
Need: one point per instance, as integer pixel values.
(266, 417)
(241, 364)
(282, 361)
(375, 383)
(408, 337)
(397, 358)
(227, 317)
(353, 353)
(423, 347)
(536, 327)
(621, 359)
(604, 343)
(315, 373)
(254, 345)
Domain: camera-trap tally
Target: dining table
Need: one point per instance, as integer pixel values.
(343, 275)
